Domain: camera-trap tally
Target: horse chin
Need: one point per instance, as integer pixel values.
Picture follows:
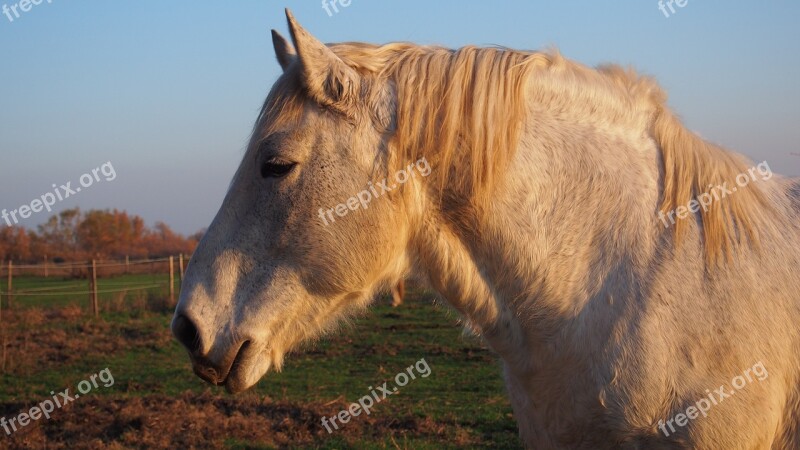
(247, 370)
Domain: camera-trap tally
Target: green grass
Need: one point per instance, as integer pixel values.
(464, 388)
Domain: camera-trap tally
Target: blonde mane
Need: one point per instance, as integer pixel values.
(461, 109)
(464, 109)
(692, 167)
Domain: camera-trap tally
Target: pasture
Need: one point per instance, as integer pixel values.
(52, 343)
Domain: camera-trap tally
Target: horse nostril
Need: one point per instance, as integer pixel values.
(184, 330)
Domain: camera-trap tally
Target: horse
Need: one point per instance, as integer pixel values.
(543, 222)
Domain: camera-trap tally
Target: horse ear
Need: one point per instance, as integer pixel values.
(328, 79)
(283, 50)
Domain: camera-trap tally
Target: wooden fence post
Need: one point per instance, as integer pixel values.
(93, 282)
(45, 266)
(180, 265)
(127, 265)
(10, 283)
(171, 280)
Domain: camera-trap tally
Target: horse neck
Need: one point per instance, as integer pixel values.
(545, 253)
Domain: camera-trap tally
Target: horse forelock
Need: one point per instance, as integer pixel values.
(284, 106)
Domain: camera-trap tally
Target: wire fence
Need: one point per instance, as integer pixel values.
(81, 269)
(32, 285)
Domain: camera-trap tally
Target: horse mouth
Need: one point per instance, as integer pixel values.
(251, 363)
(233, 379)
(217, 376)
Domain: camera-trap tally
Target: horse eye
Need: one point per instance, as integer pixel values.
(275, 168)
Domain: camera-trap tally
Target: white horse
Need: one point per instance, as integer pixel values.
(566, 216)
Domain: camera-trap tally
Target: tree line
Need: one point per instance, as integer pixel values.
(73, 235)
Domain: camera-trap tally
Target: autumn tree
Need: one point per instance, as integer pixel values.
(15, 244)
(162, 241)
(105, 234)
(60, 235)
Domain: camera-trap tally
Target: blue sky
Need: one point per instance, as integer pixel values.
(168, 91)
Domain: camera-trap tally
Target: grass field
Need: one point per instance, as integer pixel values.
(37, 292)
(155, 401)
